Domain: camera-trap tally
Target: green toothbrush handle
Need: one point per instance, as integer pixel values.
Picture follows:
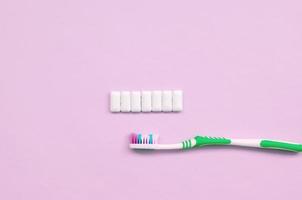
(288, 146)
(200, 141)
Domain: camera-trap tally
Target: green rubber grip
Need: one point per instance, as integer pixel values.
(270, 144)
(204, 140)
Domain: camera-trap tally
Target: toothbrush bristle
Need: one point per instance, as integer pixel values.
(143, 139)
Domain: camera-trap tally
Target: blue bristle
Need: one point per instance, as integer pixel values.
(139, 139)
(150, 138)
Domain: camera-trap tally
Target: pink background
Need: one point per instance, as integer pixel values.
(238, 62)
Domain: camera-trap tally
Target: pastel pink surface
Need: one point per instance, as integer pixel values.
(238, 63)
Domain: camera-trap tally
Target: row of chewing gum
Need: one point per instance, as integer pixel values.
(146, 101)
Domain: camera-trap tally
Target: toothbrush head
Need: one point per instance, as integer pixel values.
(150, 142)
(143, 139)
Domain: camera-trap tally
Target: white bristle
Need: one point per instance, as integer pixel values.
(155, 139)
(145, 138)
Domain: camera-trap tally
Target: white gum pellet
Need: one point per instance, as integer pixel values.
(177, 99)
(125, 101)
(167, 101)
(136, 101)
(146, 101)
(156, 101)
(115, 101)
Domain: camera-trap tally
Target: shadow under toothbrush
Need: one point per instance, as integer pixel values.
(217, 148)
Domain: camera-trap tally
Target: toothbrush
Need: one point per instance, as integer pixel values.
(139, 141)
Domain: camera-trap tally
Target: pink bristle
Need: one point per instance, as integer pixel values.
(133, 138)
